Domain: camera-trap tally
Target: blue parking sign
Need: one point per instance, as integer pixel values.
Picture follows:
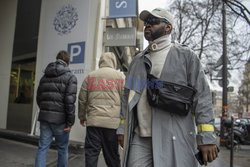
(77, 52)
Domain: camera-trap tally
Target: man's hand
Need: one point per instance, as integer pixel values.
(67, 129)
(209, 152)
(121, 140)
(82, 122)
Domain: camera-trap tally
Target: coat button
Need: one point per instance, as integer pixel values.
(154, 46)
(174, 138)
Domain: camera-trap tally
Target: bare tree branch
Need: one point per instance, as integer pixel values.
(199, 27)
(242, 9)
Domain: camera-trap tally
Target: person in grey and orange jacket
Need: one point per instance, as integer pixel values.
(99, 110)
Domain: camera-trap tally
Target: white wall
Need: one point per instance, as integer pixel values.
(87, 29)
(7, 28)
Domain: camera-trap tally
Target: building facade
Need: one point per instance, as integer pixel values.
(244, 91)
(234, 107)
(32, 32)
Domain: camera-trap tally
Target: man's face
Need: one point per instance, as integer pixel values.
(155, 28)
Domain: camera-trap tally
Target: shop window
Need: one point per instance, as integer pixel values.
(22, 83)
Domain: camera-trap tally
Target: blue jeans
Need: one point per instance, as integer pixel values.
(47, 132)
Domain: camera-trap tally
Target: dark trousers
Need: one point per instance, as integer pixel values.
(105, 139)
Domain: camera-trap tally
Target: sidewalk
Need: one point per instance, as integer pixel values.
(241, 157)
(18, 154)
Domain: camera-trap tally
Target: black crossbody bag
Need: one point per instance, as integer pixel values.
(170, 97)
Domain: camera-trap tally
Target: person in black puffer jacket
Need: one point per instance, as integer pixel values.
(56, 96)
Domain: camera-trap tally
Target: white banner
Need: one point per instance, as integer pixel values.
(63, 27)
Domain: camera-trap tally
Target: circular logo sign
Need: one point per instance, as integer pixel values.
(65, 19)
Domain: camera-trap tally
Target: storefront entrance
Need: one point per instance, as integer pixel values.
(22, 79)
(21, 96)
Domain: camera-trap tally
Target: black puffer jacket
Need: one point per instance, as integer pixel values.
(56, 94)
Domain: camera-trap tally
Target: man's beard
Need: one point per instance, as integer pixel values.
(157, 34)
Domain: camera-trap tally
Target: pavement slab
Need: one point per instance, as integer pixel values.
(17, 154)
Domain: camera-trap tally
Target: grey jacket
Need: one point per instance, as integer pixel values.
(174, 137)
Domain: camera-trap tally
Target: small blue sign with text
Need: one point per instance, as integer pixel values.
(122, 8)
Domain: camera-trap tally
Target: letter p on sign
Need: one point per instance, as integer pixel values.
(77, 52)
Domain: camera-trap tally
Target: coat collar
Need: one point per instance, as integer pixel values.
(159, 43)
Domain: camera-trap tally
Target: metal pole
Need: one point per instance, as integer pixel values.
(224, 72)
(247, 96)
(34, 122)
(232, 143)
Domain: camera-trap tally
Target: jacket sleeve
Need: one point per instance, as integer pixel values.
(121, 91)
(124, 102)
(123, 112)
(69, 100)
(203, 107)
(83, 101)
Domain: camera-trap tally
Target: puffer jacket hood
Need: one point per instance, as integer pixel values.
(56, 69)
(108, 59)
